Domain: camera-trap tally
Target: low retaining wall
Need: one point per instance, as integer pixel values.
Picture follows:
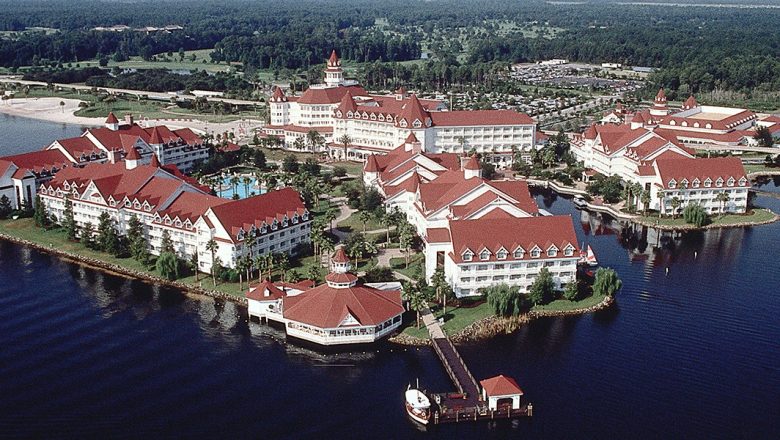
(115, 269)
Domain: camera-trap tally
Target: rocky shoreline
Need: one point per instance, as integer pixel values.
(493, 326)
(119, 270)
(688, 227)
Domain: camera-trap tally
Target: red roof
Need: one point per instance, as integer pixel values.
(411, 139)
(371, 164)
(347, 103)
(700, 168)
(132, 154)
(660, 98)
(38, 161)
(480, 117)
(412, 111)
(511, 233)
(77, 146)
(111, 119)
(472, 163)
(278, 95)
(242, 214)
(265, 291)
(334, 60)
(340, 278)
(340, 256)
(4, 166)
(327, 307)
(690, 102)
(329, 95)
(437, 235)
(155, 162)
(500, 386)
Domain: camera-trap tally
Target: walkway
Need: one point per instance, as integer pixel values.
(450, 358)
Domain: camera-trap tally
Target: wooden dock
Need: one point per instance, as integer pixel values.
(465, 405)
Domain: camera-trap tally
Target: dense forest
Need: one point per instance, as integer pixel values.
(699, 48)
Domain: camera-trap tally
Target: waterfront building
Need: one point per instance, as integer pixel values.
(114, 142)
(445, 198)
(166, 201)
(21, 173)
(501, 390)
(376, 124)
(654, 158)
(340, 311)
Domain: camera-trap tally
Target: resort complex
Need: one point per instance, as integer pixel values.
(658, 157)
(355, 124)
(167, 204)
(480, 232)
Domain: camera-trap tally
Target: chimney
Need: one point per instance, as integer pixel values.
(129, 120)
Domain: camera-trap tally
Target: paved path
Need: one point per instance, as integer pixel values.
(432, 324)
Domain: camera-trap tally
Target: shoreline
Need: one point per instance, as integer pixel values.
(477, 331)
(113, 269)
(689, 227)
(492, 326)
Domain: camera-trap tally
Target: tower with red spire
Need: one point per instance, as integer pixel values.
(659, 108)
(334, 75)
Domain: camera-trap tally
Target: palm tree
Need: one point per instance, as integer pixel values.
(345, 140)
(234, 183)
(662, 202)
(212, 247)
(386, 219)
(330, 215)
(645, 199)
(249, 243)
(314, 138)
(414, 295)
(246, 181)
(269, 264)
(723, 198)
(365, 217)
(283, 262)
(675, 204)
(260, 265)
(242, 264)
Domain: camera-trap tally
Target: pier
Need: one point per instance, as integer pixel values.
(467, 403)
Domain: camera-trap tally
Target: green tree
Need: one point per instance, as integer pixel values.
(645, 199)
(571, 291)
(108, 240)
(345, 140)
(695, 215)
(290, 164)
(416, 298)
(764, 137)
(195, 265)
(5, 206)
(40, 216)
(212, 247)
(168, 265)
(68, 222)
(675, 202)
(441, 287)
(365, 217)
(505, 300)
(166, 244)
(543, 288)
(722, 197)
(87, 236)
(606, 282)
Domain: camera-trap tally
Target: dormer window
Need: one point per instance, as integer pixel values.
(536, 252)
(696, 183)
(137, 205)
(672, 184)
(719, 182)
(403, 123)
(365, 115)
(240, 235)
(730, 181)
(568, 251)
(501, 254)
(263, 229)
(373, 116)
(111, 203)
(467, 256)
(381, 117)
(338, 113)
(284, 223)
(684, 183)
(707, 182)
(484, 255)
(519, 252)
(274, 226)
(128, 203)
(417, 123)
(295, 218)
(708, 125)
(349, 114)
(168, 221)
(742, 181)
(553, 251)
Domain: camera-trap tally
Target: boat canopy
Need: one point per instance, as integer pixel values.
(417, 399)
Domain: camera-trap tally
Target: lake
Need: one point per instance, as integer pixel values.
(689, 353)
(21, 135)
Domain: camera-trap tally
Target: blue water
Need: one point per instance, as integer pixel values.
(243, 191)
(21, 135)
(690, 354)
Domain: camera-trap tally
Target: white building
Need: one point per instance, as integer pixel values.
(339, 312)
(17, 179)
(341, 109)
(448, 202)
(163, 201)
(113, 142)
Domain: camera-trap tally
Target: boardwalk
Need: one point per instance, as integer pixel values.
(465, 404)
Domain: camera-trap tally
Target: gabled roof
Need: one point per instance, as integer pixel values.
(334, 60)
(340, 256)
(265, 291)
(327, 307)
(242, 214)
(371, 164)
(701, 168)
(132, 154)
(511, 232)
(500, 386)
(480, 117)
(472, 163)
(111, 119)
(39, 161)
(329, 95)
(413, 111)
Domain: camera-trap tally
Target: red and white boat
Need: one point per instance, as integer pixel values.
(588, 257)
(418, 406)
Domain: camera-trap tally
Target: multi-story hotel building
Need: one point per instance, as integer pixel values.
(454, 210)
(375, 124)
(164, 200)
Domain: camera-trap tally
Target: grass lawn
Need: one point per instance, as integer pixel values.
(353, 168)
(560, 305)
(416, 262)
(755, 215)
(353, 224)
(277, 154)
(25, 229)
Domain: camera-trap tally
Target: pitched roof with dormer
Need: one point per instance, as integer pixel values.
(510, 233)
(714, 168)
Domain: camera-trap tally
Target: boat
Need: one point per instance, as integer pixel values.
(418, 406)
(588, 258)
(580, 202)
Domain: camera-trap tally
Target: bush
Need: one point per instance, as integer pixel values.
(542, 290)
(696, 215)
(378, 274)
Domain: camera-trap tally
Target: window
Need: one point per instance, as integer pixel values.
(502, 253)
(719, 182)
(672, 183)
(730, 181)
(498, 267)
(484, 255)
(707, 182)
(482, 267)
(569, 251)
(552, 252)
(535, 253)
(467, 256)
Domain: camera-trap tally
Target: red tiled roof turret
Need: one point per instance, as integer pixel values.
(340, 256)
(413, 110)
(111, 119)
(371, 164)
(472, 163)
(132, 154)
(156, 138)
(334, 60)
(155, 162)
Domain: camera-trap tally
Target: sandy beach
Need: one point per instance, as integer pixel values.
(49, 109)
